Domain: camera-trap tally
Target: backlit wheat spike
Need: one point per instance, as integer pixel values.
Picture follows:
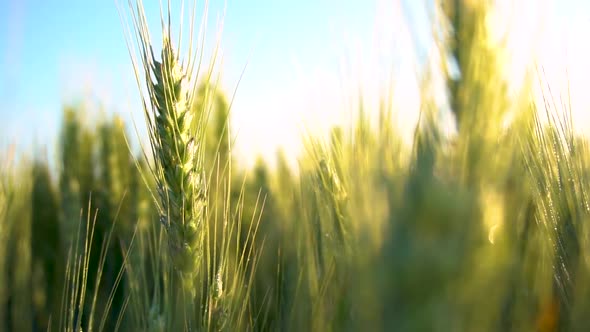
(177, 147)
(182, 183)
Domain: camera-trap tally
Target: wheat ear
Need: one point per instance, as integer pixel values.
(178, 149)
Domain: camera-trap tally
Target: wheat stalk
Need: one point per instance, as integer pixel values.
(177, 147)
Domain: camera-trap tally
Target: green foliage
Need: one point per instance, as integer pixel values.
(47, 255)
(482, 229)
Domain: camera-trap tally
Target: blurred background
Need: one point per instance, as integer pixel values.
(370, 165)
(302, 60)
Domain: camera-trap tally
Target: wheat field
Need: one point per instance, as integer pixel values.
(480, 227)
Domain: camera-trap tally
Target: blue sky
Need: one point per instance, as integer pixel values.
(53, 52)
(303, 56)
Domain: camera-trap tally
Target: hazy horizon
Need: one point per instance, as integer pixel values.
(303, 61)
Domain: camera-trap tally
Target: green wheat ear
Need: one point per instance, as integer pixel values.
(181, 184)
(177, 147)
